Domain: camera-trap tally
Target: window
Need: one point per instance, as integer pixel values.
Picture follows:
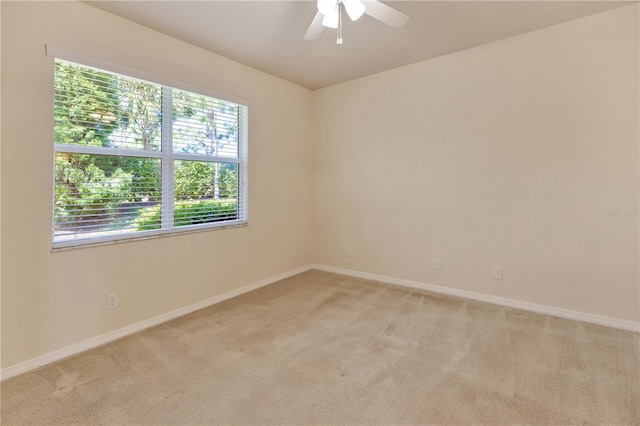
(135, 158)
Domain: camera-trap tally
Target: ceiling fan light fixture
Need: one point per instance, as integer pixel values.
(355, 8)
(327, 6)
(329, 14)
(331, 19)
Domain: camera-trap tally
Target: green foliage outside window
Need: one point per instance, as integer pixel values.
(86, 106)
(189, 212)
(102, 192)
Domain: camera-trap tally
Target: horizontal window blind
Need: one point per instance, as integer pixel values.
(104, 109)
(135, 158)
(208, 127)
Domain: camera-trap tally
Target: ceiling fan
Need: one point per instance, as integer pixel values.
(330, 15)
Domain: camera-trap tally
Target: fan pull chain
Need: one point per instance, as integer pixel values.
(340, 6)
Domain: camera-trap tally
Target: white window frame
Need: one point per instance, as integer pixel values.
(166, 155)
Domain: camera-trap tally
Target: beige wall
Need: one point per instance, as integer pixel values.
(507, 154)
(52, 300)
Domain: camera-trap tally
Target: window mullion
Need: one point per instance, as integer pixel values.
(167, 158)
(100, 150)
(205, 158)
(242, 166)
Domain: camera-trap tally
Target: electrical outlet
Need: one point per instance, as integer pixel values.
(436, 264)
(497, 272)
(349, 252)
(112, 301)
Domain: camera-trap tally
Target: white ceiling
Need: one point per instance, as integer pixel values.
(267, 35)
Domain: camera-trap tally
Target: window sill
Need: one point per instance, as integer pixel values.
(146, 235)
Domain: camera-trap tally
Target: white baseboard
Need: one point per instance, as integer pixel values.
(512, 303)
(31, 364)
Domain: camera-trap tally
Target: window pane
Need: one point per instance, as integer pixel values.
(205, 192)
(204, 125)
(104, 109)
(101, 195)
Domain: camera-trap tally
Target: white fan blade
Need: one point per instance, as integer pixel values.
(315, 29)
(384, 13)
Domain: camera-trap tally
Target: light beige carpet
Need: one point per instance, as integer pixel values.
(323, 348)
